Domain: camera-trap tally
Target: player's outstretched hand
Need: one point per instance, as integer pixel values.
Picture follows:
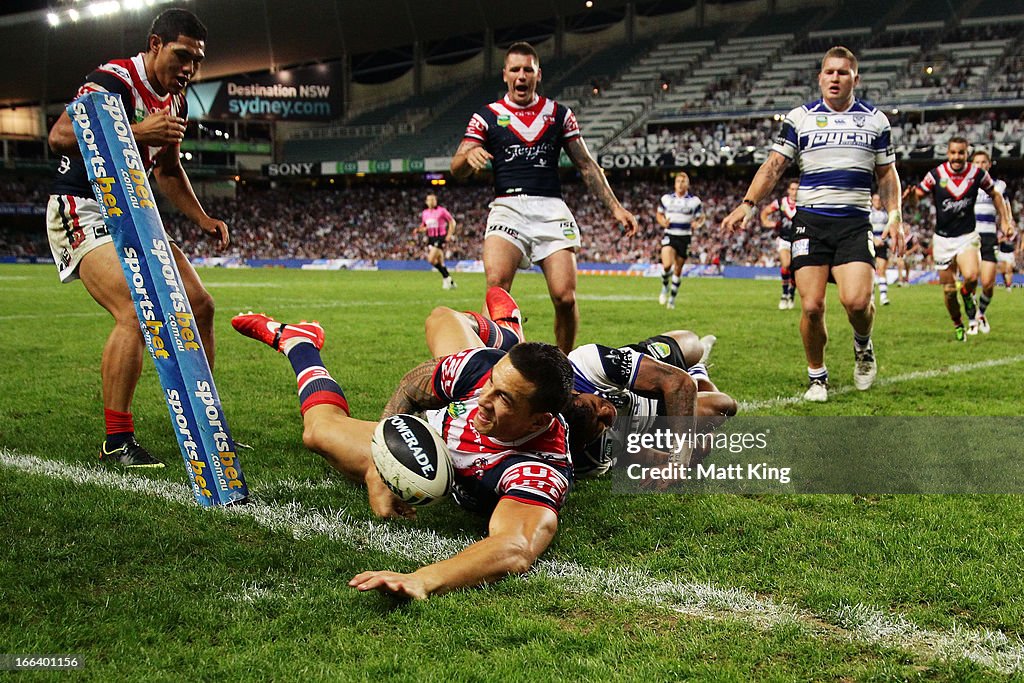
(393, 583)
(160, 128)
(215, 227)
(627, 219)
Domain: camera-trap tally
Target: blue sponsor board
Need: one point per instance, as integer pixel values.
(168, 326)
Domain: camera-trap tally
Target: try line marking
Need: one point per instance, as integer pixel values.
(747, 406)
(992, 649)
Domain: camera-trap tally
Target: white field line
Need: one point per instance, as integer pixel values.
(992, 649)
(747, 406)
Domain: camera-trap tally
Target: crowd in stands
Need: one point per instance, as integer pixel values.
(378, 221)
(993, 126)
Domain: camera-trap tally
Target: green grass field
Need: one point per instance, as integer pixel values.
(126, 571)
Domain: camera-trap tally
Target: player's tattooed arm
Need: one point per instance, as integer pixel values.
(593, 176)
(415, 393)
(668, 383)
(597, 183)
(763, 183)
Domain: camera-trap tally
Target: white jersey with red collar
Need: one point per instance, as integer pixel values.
(126, 78)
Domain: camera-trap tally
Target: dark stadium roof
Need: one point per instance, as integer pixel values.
(249, 35)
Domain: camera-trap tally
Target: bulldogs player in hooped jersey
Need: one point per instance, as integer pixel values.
(989, 233)
(499, 415)
(879, 219)
(786, 206)
(954, 186)
(521, 136)
(842, 145)
(679, 213)
(151, 86)
(665, 375)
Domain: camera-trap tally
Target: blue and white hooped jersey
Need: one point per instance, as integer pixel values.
(985, 209)
(837, 153)
(879, 218)
(681, 212)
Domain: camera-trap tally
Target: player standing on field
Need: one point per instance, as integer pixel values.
(786, 206)
(521, 136)
(988, 231)
(152, 88)
(842, 144)
(439, 226)
(954, 186)
(879, 220)
(679, 213)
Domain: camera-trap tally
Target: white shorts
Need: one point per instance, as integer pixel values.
(946, 249)
(783, 244)
(74, 227)
(1006, 257)
(539, 226)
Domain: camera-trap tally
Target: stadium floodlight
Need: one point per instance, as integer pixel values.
(100, 9)
(73, 14)
(53, 18)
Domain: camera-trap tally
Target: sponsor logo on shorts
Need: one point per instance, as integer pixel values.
(659, 349)
(568, 230)
(801, 247)
(503, 228)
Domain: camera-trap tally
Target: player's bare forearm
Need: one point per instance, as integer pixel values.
(175, 185)
(764, 182)
(415, 393)
(593, 177)
(1004, 213)
(889, 190)
(662, 219)
(668, 383)
(518, 534)
(767, 177)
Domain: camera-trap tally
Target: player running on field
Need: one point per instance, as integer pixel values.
(954, 186)
(679, 213)
(990, 232)
(786, 208)
(843, 146)
(521, 136)
(879, 219)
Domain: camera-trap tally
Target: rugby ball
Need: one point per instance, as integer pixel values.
(412, 459)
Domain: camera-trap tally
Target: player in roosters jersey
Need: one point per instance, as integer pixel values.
(151, 86)
(954, 186)
(786, 207)
(499, 415)
(521, 137)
